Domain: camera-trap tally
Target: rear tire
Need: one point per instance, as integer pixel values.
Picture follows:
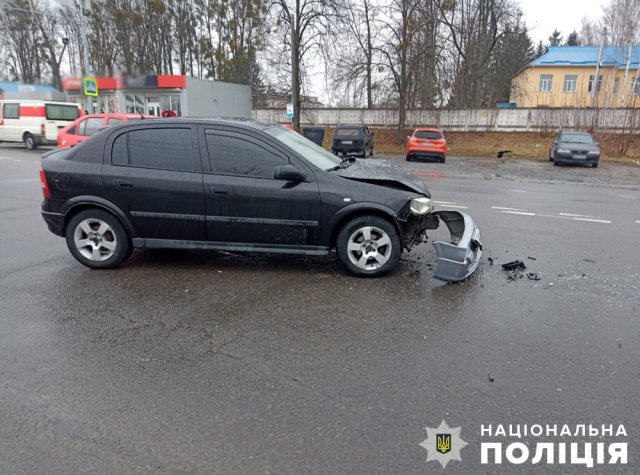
(443, 159)
(409, 158)
(595, 165)
(97, 239)
(556, 163)
(29, 141)
(369, 246)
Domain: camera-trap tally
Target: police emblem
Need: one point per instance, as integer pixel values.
(443, 443)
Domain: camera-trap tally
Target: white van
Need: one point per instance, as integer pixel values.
(35, 122)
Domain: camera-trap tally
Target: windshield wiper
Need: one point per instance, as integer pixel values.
(345, 163)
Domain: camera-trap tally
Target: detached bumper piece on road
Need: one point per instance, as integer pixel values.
(459, 258)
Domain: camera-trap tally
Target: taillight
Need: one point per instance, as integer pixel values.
(45, 186)
(42, 130)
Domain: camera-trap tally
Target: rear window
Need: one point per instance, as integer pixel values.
(348, 132)
(427, 134)
(61, 112)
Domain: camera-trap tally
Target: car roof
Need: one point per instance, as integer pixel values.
(113, 115)
(217, 121)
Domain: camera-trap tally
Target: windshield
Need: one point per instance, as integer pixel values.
(576, 138)
(348, 132)
(312, 153)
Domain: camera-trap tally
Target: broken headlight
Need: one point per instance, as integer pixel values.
(422, 205)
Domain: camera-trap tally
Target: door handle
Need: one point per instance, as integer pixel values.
(217, 191)
(126, 184)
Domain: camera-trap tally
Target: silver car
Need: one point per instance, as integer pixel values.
(575, 147)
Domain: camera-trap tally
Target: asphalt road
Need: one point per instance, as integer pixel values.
(204, 362)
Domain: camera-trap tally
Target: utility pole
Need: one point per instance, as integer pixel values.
(85, 6)
(626, 74)
(596, 83)
(295, 72)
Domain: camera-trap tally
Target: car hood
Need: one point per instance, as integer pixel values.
(384, 173)
(581, 147)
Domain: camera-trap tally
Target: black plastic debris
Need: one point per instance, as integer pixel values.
(490, 378)
(490, 259)
(532, 258)
(533, 276)
(513, 265)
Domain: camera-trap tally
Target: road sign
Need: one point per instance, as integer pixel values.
(289, 110)
(90, 86)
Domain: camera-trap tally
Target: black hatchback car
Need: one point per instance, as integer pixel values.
(242, 186)
(357, 139)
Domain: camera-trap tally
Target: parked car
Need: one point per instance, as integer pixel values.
(356, 139)
(239, 185)
(427, 143)
(84, 127)
(35, 122)
(575, 147)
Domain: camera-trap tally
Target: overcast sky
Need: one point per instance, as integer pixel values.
(543, 16)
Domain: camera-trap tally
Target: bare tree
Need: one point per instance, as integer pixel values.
(305, 27)
(353, 58)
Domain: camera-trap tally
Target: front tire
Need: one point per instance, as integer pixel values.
(97, 239)
(29, 141)
(443, 159)
(369, 246)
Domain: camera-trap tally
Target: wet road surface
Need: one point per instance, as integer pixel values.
(204, 362)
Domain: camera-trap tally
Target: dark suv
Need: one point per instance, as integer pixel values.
(241, 186)
(353, 139)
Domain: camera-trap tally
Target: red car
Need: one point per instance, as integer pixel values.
(87, 125)
(427, 143)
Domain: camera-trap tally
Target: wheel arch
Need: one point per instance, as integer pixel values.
(83, 203)
(342, 217)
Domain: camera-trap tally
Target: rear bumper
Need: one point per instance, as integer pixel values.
(54, 222)
(458, 259)
(426, 154)
(347, 148)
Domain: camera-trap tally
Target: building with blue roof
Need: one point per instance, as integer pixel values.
(565, 76)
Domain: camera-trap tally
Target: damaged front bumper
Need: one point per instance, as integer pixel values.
(458, 259)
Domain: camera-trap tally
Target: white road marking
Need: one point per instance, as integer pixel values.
(509, 209)
(518, 191)
(9, 158)
(590, 220)
(638, 222)
(575, 215)
(522, 213)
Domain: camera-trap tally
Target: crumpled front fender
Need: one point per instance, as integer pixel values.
(458, 259)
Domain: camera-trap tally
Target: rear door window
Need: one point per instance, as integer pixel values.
(11, 111)
(92, 125)
(233, 154)
(61, 112)
(163, 149)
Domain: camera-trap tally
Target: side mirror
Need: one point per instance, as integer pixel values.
(289, 173)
